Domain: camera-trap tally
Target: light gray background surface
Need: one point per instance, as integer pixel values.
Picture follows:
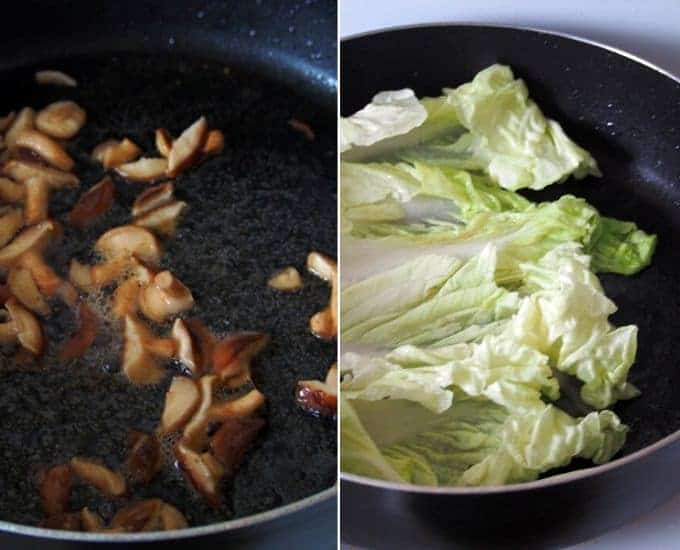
(649, 29)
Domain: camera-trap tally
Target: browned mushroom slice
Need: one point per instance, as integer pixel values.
(81, 340)
(11, 191)
(81, 275)
(55, 78)
(204, 340)
(302, 127)
(322, 266)
(113, 153)
(26, 327)
(139, 516)
(91, 521)
(7, 120)
(181, 401)
(195, 433)
(108, 482)
(20, 170)
(318, 397)
(64, 522)
(187, 147)
(25, 120)
(233, 439)
(23, 287)
(61, 119)
(163, 142)
(129, 240)
(240, 407)
(214, 143)
(11, 220)
(172, 518)
(49, 283)
(144, 459)
(144, 169)
(232, 355)
(163, 219)
(138, 364)
(92, 204)
(287, 280)
(125, 298)
(164, 297)
(32, 238)
(55, 490)
(104, 274)
(201, 473)
(36, 201)
(152, 198)
(44, 147)
(186, 350)
(323, 325)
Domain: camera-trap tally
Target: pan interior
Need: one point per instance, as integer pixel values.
(264, 203)
(625, 113)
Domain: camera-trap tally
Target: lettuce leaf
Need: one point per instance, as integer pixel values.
(622, 248)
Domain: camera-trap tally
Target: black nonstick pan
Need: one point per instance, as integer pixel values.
(264, 203)
(627, 113)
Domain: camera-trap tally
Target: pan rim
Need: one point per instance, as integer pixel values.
(558, 479)
(190, 532)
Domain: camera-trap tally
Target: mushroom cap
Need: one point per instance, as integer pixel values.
(129, 240)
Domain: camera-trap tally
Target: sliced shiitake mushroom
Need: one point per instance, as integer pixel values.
(25, 327)
(20, 170)
(214, 143)
(320, 398)
(11, 220)
(203, 474)
(125, 300)
(91, 521)
(232, 355)
(104, 274)
(105, 480)
(55, 78)
(152, 198)
(25, 120)
(233, 439)
(302, 127)
(33, 238)
(195, 432)
(61, 119)
(163, 142)
(322, 266)
(172, 518)
(11, 191)
(241, 407)
(49, 283)
(181, 401)
(81, 340)
(138, 362)
(46, 148)
(128, 240)
(139, 516)
(204, 341)
(81, 275)
(24, 288)
(144, 459)
(6, 120)
(145, 169)
(186, 348)
(162, 220)
(165, 296)
(92, 204)
(36, 201)
(112, 153)
(55, 489)
(287, 280)
(187, 147)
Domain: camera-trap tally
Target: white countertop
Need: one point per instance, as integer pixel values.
(648, 29)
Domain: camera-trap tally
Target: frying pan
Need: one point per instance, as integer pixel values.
(627, 113)
(264, 203)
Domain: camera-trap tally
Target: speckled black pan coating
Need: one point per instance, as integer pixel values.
(262, 204)
(628, 116)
